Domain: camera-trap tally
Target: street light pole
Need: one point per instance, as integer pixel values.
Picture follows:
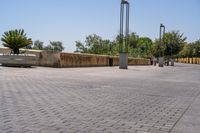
(172, 59)
(124, 34)
(161, 52)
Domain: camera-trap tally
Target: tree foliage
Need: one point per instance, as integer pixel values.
(196, 51)
(54, 46)
(38, 45)
(191, 50)
(94, 44)
(133, 40)
(15, 39)
(145, 47)
(173, 42)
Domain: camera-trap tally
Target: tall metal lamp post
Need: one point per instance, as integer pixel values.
(161, 53)
(124, 34)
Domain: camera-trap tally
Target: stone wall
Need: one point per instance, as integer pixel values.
(193, 60)
(5, 51)
(82, 60)
(63, 60)
(87, 60)
(137, 61)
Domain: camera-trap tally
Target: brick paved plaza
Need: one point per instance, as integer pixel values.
(142, 99)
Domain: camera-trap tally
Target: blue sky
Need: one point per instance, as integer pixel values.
(71, 20)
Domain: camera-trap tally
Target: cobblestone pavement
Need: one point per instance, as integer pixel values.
(143, 99)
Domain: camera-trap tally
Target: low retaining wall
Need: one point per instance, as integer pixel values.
(25, 60)
(82, 60)
(63, 60)
(5, 51)
(87, 60)
(193, 60)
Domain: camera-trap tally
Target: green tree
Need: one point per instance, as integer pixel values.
(191, 50)
(94, 44)
(197, 48)
(174, 42)
(80, 47)
(114, 48)
(157, 49)
(187, 51)
(15, 39)
(133, 40)
(132, 48)
(145, 47)
(54, 46)
(106, 47)
(38, 45)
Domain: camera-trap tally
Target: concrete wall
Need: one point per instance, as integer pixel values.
(87, 60)
(57, 59)
(25, 60)
(49, 59)
(82, 60)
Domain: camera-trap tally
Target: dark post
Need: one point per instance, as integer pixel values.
(124, 34)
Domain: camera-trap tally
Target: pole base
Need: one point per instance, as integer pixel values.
(154, 61)
(161, 62)
(172, 62)
(123, 61)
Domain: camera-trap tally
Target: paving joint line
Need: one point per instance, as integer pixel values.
(184, 112)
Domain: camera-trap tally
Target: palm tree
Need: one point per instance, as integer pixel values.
(15, 39)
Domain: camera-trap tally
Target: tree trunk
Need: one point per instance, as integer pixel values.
(16, 51)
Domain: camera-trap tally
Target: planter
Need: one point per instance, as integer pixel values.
(21, 60)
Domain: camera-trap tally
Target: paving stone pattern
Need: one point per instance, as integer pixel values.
(94, 100)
